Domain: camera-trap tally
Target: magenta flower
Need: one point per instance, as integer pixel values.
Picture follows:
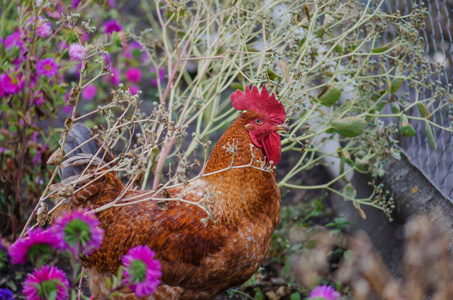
(14, 40)
(46, 281)
(2, 85)
(134, 75)
(75, 3)
(134, 50)
(67, 109)
(37, 245)
(324, 292)
(134, 89)
(160, 74)
(76, 52)
(141, 271)
(115, 78)
(79, 232)
(112, 3)
(13, 83)
(112, 26)
(39, 99)
(44, 28)
(47, 67)
(89, 92)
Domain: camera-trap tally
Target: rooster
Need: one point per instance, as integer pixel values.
(200, 257)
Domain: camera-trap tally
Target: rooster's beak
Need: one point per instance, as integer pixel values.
(282, 127)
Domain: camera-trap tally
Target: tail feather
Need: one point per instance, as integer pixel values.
(82, 147)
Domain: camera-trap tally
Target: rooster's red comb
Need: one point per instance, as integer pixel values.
(259, 102)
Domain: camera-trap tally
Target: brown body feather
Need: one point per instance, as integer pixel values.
(199, 259)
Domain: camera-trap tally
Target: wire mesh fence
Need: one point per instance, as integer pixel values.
(438, 47)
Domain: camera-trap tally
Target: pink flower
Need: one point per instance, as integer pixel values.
(2, 85)
(44, 28)
(39, 99)
(133, 50)
(13, 83)
(79, 232)
(75, 3)
(47, 67)
(14, 40)
(134, 75)
(141, 271)
(76, 52)
(112, 26)
(115, 78)
(46, 281)
(324, 292)
(134, 89)
(37, 245)
(67, 109)
(89, 92)
(160, 74)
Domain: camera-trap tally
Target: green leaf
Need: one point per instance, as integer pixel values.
(361, 164)
(405, 127)
(329, 95)
(395, 107)
(379, 50)
(423, 109)
(349, 191)
(396, 84)
(430, 135)
(295, 296)
(349, 126)
(272, 75)
(237, 86)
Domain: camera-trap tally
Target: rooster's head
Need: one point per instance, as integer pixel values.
(266, 117)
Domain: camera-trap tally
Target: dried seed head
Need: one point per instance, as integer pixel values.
(43, 214)
(74, 95)
(56, 158)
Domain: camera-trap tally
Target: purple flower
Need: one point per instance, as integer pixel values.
(46, 281)
(1, 40)
(47, 67)
(67, 109)
(44, 28)
(324, 292)
(134, 89)
(37, 245)
(141, 271)
(160, 74)
(89, 92)
(75, 3)
(112, 3)
(134, 75)
(115, 78)
(134, 50)
(39, 99)
(79, 232)
(13, 83)
(6, 294)
(3, 150)
(112, 26)
(76, 52)
(2, 85)
(14, 40)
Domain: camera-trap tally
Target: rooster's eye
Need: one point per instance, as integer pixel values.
(258, 121)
